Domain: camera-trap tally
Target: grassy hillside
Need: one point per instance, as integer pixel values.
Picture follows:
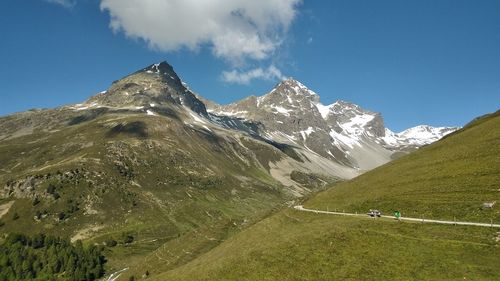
(142, 181)
(294, 245)
(450, 178)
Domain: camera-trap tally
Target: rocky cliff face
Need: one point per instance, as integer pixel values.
(342, 132)
(156, 84)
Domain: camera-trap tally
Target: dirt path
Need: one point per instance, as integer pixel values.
(422, 220)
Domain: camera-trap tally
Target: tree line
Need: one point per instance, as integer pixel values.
(44, 257)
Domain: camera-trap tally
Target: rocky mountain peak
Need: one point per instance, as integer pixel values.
(291, 89)
(157, 84)
(162, 69)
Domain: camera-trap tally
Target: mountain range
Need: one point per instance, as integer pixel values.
(152, 162)
(288, 136)
(341, 132)
(341, 139)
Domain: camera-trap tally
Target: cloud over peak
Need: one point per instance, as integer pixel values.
(245, 77)
(64, 3)
(235, 30)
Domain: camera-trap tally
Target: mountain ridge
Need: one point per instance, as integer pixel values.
(342, 131)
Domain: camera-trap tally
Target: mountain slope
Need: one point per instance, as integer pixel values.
(452, 177)
(342, 132)
(144, 160)
(146, 166)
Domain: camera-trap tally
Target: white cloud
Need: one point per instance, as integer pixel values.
(64, 3)
(234, 29)
(238, 77)
(310, 40)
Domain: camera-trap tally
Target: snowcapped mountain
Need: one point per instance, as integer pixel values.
(342, 132)
(341, 139)
(157, 90)
(417, 136)
(424, 134)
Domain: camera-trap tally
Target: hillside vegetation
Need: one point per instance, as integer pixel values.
(143, 170)
(450, 178)
(126, 174)
(293, 245)
(42, 257)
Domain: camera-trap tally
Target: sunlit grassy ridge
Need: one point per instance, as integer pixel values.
(294, 245)
(451, 178)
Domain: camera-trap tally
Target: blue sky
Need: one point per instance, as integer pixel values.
(416, 62)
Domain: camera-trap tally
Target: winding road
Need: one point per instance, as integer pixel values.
(422, 220)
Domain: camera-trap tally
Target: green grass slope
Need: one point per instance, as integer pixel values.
(293, 245)
(107, 176)
(450, 178)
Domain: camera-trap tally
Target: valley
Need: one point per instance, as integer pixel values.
(317, 246)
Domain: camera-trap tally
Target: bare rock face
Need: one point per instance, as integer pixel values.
(342, 132)
(157, 84)
(290, 117)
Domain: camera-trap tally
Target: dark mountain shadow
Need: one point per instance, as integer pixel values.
(137, 129)
(88, 115)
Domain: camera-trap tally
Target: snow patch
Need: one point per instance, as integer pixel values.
(392, 138)
(197, 118)
(299, 88)
(259, 99)
(423, 134)
(281, 110)
(82, 106)
(306, 133)
(231, 113)
(418, 136)
(357, 123)
(341, 139)
(324, 110)
(155, 68)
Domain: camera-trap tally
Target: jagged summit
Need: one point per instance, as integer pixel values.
(163, 69)
(155, 85)
(292, 87)
(290, 113)
(342, 131)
